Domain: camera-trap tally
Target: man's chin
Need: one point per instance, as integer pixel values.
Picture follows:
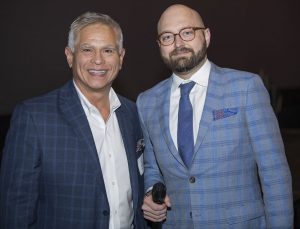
(181, 62)
(182, 70)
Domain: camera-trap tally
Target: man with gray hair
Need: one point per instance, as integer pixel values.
(73, 157)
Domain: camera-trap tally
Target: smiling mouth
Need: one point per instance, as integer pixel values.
(97, 72)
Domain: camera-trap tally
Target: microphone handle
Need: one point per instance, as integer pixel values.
(159, 193)
(158, 196)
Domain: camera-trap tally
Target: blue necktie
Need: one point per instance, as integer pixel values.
(185, 136)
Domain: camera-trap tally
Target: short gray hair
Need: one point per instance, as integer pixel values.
(89, 18)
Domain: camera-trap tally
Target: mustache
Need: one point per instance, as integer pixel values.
(179, 50)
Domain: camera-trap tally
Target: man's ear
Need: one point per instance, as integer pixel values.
(158, 43)
(207, 36)
(69, 55)
(122, 54)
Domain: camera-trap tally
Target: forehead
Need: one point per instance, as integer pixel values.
(175, 19)
(97, 32)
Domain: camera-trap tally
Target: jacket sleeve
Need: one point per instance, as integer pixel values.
(20, 172)
(267, 144)
(152, 173)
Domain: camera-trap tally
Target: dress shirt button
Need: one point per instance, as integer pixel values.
(192, 179)
(105, 213)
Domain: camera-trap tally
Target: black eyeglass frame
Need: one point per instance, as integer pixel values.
(174, 35)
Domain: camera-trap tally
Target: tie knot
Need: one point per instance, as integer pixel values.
(186, 88)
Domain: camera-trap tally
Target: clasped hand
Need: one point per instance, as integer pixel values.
(155, 212)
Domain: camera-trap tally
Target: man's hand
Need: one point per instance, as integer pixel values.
(155, 212)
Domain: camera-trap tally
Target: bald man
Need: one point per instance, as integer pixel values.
(216, 145)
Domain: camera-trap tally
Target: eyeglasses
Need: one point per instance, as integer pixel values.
(186, 34)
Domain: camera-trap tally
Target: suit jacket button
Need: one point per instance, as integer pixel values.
(192, 179)
(105, 213)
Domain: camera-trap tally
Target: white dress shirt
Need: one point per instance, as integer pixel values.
(197, 98)
(113, 161)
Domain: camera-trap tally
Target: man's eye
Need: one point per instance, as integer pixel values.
(109, 51)
(187, 32)
(166, 37)
(86, 50)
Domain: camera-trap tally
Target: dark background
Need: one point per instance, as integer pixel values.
(261, 36)
(252, 35)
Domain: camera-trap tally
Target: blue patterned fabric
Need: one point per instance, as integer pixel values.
(50, 174)
(185, 134)
(239, 176)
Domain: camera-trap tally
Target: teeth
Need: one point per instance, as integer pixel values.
(98, 72)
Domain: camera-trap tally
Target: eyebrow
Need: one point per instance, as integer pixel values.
(105, 46)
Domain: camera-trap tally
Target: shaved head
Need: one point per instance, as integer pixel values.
(178, 14)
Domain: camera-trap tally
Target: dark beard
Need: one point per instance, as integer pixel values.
(184, 64)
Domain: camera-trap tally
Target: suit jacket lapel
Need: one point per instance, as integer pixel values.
(126, 128)
(73, 112)
(163, 100)
(213, 99)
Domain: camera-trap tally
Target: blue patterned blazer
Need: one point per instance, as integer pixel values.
(51, 176)
(239, 177)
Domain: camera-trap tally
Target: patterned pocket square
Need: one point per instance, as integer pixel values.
(224, 113)
(140, 146)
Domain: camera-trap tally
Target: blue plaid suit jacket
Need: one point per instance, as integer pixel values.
(50, 174)
(239, 177)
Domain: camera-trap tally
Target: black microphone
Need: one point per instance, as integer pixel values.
(159, 192)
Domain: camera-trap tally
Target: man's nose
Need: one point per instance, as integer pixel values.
(98, 57)
(178, 41)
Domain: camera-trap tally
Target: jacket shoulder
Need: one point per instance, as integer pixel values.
(230, 74)
(47, 102)
(157, 89)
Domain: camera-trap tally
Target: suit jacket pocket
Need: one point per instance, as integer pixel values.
(245, 212)
(224, 113)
